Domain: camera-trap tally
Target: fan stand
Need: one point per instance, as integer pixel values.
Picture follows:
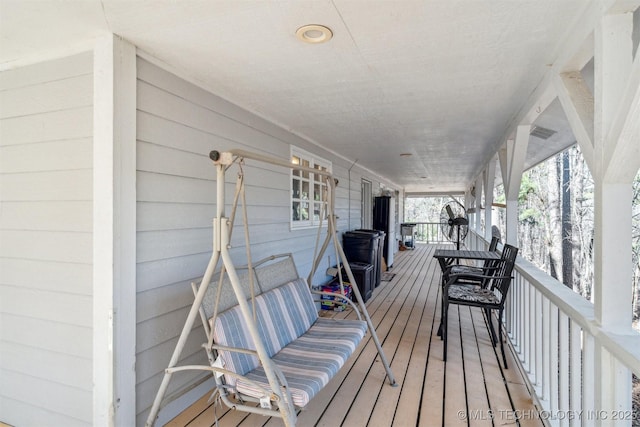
(451, 224)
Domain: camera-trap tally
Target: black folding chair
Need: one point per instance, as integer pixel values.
(489, 293)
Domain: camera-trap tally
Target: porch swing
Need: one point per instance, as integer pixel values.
(269, 348)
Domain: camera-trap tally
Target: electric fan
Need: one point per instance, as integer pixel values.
(454, 222)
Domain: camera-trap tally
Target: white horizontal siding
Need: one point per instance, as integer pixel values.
(50, 71)
(32, 416)
(62, 155)
(48, 306)
(47, 215)
(48, 96)
(61, 246)
(162, 300)
(48, 127)
(49, 396)
(153, 187)
(166, 216)
(58, 337)
(55, 367)
(153, 158)
(46, 118)
(50, 186)
(150, 275)
(68, 278)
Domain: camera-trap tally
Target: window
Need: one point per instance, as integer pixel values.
(308, 191)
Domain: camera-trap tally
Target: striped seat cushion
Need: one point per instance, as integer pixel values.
(283, 314)
(473, 295)
(309, 362)
(466, 269)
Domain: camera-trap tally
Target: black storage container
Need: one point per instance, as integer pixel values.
(363, 273)
(384, 218)
(360, 246)
(377, 265)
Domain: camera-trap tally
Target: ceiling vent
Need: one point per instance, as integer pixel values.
(542, 133)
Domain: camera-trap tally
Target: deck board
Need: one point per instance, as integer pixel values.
(385, 412)
(476, 391)
(468, 390)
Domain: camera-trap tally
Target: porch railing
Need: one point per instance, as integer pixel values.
(579, 371)
(429, 232)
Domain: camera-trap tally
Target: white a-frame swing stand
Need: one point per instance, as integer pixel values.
(222, 227)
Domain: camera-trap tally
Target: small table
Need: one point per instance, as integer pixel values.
(446, 257)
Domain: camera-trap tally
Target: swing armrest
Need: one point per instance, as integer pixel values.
(223, 371)
(234, 349)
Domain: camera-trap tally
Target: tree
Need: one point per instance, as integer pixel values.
(567, 229)
(556, 229)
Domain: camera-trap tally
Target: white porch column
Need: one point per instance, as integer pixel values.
(612, 288)
(616, 162)
(489, 182)
(614, 171)
(512, 164)
(469, 201)
(114, 233)
(478, 204)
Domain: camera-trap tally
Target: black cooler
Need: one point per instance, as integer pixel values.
(365, 246)
(378, 254)
(363, 273)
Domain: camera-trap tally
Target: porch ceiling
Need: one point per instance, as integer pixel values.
(439, 79)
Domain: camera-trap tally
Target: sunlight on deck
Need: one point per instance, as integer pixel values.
(470, 389)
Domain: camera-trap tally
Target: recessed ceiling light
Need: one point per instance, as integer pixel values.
(405, 154)
(314, 33)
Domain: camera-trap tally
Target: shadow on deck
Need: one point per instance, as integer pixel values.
(470, 389)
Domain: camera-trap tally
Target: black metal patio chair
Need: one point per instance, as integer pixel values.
(490, 294)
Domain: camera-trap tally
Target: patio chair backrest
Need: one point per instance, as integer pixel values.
(503, 278)
(493, 246)
(494, 243)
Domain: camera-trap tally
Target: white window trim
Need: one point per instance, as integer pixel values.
(313, 160)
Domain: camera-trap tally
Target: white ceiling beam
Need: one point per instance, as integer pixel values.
(575, 48)
(624, 161)
(478, 202)
(543, 98)
(624, 6)
(512, 165)
(540, 99)
(578, 104)
(489, 182)
(489, 179)
(504, 164)
(580, 58)
(512, 159)
(612, 65)
(573, 51)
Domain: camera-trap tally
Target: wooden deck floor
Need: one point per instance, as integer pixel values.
(470, 389)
